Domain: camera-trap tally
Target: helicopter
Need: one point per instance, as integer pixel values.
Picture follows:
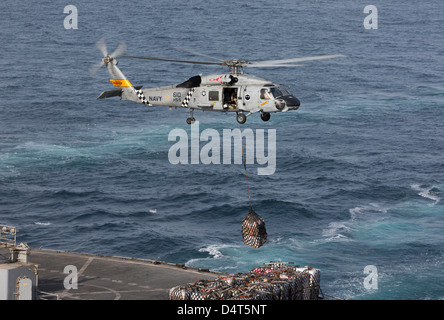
(235, 91)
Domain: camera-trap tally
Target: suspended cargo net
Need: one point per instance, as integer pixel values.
(274, 281)
(253, 230)
(253, 225)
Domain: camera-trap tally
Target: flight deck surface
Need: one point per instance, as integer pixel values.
(109, 277)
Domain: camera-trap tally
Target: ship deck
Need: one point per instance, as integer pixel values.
(109, 277)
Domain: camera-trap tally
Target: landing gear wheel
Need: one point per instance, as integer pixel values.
(265, 116)
(241, 118)
(190, 119)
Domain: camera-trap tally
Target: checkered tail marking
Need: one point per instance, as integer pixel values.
(187, 99)
(142, 97)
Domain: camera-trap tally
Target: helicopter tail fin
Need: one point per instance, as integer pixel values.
(124, 88)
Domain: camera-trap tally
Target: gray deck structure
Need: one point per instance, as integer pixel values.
(109, 277)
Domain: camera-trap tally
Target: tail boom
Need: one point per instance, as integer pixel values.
(125, 89)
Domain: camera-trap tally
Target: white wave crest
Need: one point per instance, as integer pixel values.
(43, 223)
(336, 231)
(213, 250)
(366, 209)
(427, 193)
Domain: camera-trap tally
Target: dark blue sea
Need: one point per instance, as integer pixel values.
(359, 177)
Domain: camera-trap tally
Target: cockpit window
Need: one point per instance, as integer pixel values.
(265, 94)
(273, 92)
(278, 92)
(284, 91)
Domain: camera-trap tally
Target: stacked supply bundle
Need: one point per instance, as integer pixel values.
(274, 281)
(253, 230)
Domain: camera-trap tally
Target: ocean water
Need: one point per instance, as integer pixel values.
(359, 174)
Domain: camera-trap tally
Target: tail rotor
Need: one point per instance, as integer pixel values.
(101, 45)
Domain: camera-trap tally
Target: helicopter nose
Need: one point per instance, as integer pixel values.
(292, 101)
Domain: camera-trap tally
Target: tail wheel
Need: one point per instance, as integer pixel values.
(190, 120)
(241, 118)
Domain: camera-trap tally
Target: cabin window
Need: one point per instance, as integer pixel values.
(213, 96)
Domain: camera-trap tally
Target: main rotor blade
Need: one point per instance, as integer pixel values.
(253, 65)
(119, 50)
(285, 61)
(102, 47)
(197, 53)
(173, 60)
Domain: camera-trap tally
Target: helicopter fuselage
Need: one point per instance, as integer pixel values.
(224, 93)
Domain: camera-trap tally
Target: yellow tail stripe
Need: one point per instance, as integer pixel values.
(121, 83)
